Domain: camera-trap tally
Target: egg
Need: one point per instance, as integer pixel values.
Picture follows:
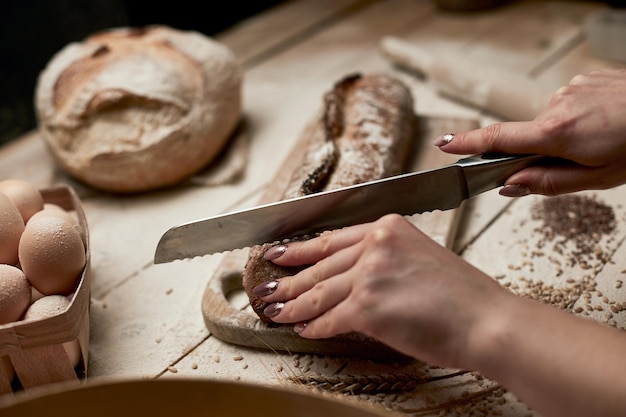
(14, 293)
(11, 228)
(51, 254)
(49, 306)
(24, 195)
(34, 294)
(56, 210)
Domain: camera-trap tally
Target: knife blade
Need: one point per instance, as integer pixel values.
(441, 188)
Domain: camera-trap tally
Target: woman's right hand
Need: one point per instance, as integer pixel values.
(584, 123)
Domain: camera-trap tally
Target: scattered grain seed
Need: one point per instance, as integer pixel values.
(579, 219)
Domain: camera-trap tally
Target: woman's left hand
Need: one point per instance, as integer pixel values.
(385, 279)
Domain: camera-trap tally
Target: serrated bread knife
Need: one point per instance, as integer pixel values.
(406, 194)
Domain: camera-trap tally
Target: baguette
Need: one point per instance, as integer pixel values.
(364, 132)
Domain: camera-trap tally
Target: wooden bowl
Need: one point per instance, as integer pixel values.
(179, 397)
(468, 5)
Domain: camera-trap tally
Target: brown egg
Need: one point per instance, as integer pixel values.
(11, 228)
(34, 294)
(48, 306)
(51, 254)
(56, 210)
(24, 195)
(14, 293)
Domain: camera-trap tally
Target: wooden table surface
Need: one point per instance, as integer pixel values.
(146, 319)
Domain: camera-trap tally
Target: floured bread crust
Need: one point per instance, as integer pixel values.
(364, 132)
(135, 109)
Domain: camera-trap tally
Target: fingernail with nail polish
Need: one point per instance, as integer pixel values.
(273, 309)
(444, 140)
(299, 327)
(265, 288)
(274, 252)
(515, 190)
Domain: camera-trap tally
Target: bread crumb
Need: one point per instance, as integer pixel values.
(194, 366)
(169, 291)
(172, 369)
(238, 358)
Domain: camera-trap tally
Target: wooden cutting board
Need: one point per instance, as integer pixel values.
(226, 312)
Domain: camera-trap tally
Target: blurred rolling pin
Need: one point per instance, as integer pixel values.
(506, 94)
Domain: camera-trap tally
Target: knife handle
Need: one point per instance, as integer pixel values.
(489, 170)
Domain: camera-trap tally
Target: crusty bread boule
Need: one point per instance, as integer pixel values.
(136, 109)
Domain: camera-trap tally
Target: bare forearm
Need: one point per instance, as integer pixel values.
(390, 281)
(558, 364)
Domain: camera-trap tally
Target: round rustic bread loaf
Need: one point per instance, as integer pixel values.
(136, 109)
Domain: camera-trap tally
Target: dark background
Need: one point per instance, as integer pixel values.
(32, 31)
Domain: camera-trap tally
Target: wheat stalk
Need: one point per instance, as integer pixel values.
(369, 384)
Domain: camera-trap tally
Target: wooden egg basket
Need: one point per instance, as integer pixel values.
(32, 352)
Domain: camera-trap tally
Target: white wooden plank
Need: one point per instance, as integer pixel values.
(280, 26)
(514, 248)
(518, 37)
(608, 300)
(276, 116)
(578, 60)
(28, 159)
(146, 319)
(415, 386)
(149, 321)
(276, 121)
(522, 37)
